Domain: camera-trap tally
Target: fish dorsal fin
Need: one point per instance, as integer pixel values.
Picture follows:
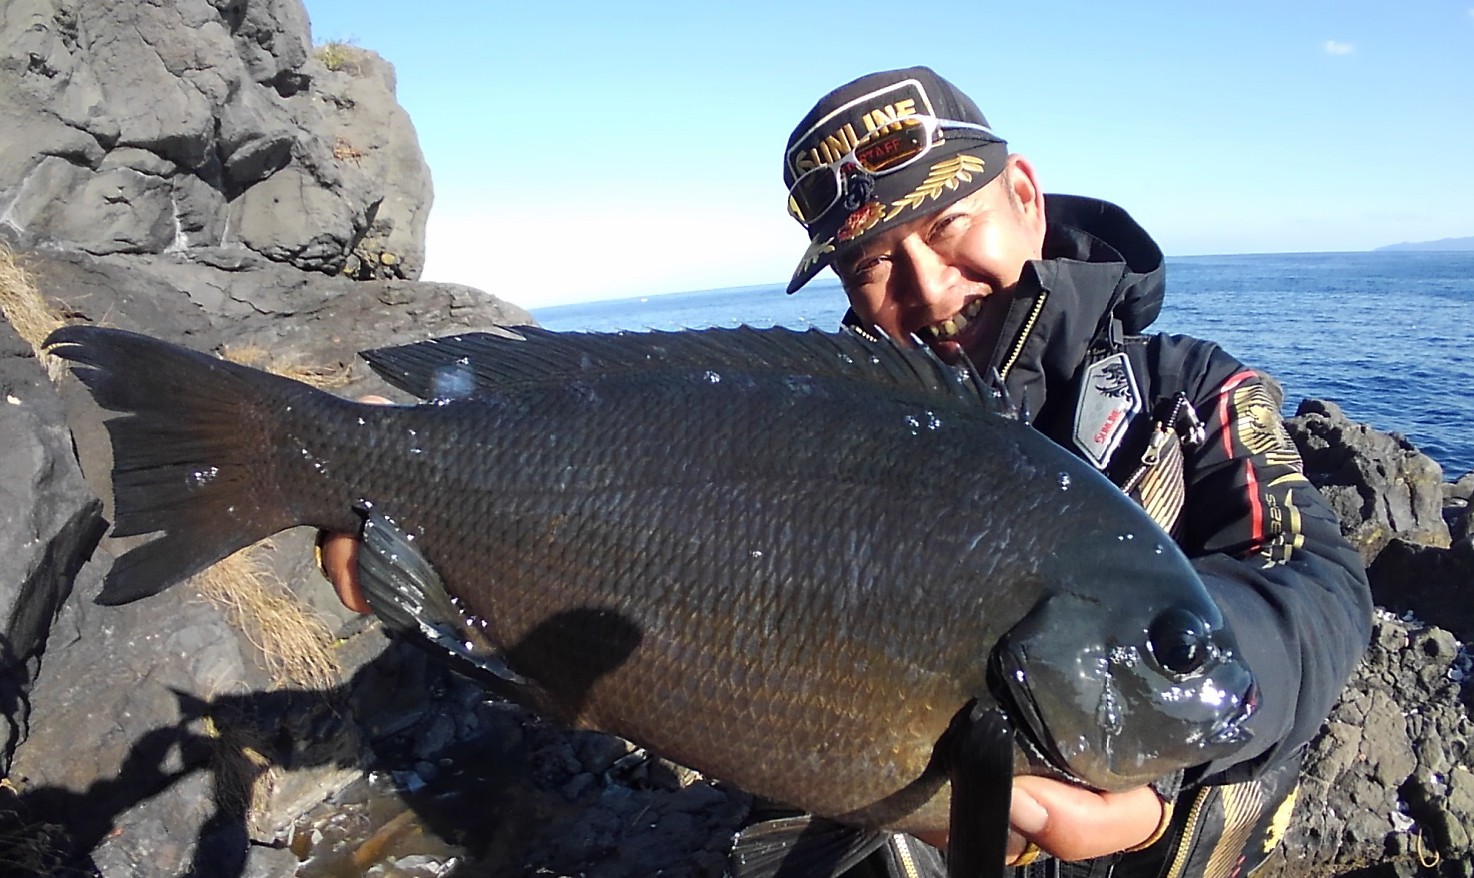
(483, 363)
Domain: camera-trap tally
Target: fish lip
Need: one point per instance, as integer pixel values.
(1230, 729)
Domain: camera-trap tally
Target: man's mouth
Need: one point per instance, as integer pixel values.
(952, 328)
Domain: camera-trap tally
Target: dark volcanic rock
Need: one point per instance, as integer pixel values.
(1386, 787)
(1435, 585)
(49, 523)
(163, 127)
(189, 170)
(1378, 483)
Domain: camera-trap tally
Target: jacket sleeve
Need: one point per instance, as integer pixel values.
(1270, 551)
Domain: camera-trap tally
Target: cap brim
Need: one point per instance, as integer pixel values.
(949, 173)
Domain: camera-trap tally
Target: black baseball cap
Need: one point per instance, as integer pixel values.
(961, 157)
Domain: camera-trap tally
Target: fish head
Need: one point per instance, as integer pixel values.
(1117, 695)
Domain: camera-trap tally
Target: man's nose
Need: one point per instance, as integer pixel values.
(927, 276)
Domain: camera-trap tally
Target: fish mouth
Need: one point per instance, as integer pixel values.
(1230, 729)
(952, 328)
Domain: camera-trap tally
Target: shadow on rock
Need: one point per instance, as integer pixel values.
(449, 781)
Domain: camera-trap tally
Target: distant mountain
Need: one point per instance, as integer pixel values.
(1440, 244)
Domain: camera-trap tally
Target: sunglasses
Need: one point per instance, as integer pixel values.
(891, 148)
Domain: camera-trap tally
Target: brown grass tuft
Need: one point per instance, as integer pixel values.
(340, 55)
(27, 310)
(28, 847)
(243, 775)
(294, 643)
(321, 377)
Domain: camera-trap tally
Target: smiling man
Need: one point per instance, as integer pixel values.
(939, 234)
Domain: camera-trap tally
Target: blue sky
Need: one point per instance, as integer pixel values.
(590, 150)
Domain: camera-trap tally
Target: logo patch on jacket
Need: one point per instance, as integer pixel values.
(1109, 399)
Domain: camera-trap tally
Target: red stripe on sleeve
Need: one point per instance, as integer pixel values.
(1251, 479)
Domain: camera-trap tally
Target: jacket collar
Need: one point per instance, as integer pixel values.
(1102, 277)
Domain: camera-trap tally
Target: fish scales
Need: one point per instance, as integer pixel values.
(789, 571)
(759, 570)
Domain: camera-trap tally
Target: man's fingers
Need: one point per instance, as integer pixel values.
(1078, 823)
(339, 554)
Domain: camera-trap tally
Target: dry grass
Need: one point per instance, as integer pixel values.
(28, 847)
(345, 151)
(338, 55)
(243, 775)
(27, 310)
(321, 377)
(294, 643)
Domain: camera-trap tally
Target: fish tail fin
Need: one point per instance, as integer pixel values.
(190, 457)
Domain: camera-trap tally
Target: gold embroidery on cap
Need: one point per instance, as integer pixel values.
(947, 174)
(861, 221)
(817, 249)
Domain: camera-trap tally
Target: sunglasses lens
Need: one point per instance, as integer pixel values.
(891, 148)
(813, 194)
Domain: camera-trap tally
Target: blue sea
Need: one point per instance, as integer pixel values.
(1389, 336)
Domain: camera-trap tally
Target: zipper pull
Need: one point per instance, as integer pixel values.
(1154, 445)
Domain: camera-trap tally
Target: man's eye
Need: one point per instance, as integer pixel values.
(867, 269)
(947, 225)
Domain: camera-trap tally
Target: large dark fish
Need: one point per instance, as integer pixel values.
(796, 562)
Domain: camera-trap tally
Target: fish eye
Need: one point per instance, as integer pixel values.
(1180, 641)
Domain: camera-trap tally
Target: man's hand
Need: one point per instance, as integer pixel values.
(1073, 823)
(338, 554)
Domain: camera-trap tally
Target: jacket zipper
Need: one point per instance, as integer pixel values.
(1189, 835)
(1183, 421)
(1018, 346)
(904, 858)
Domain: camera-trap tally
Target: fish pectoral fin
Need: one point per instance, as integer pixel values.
(981, 771)
(410, 598)
(799, 847)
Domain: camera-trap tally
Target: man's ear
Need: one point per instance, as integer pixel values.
(1019, 176)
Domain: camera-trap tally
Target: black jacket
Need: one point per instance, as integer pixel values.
(1262, 538)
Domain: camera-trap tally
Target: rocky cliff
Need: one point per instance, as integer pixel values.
(197, 169)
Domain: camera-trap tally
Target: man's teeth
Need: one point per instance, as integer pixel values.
(952, 327)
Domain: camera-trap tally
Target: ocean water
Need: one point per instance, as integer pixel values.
(1388, 336)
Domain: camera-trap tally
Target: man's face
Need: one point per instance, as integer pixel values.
(948, 278)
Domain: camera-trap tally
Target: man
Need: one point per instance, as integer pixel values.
(938, 233)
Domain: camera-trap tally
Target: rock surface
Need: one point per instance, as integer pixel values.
(168, 127)
(1378, 483)
(196, 170)
(49, 522)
